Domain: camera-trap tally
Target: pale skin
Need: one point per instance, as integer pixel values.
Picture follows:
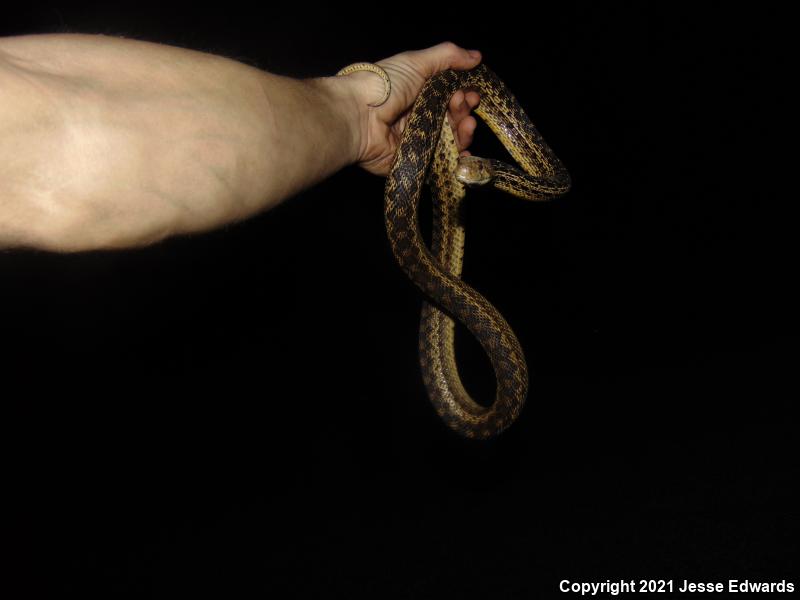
(110, 143)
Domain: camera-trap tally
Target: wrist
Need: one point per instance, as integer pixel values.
(344, 97)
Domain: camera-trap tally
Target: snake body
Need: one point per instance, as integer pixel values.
(428, 153)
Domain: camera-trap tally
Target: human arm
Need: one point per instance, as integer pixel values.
(111, 143)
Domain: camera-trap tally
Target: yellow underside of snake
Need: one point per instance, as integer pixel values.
(428, 154)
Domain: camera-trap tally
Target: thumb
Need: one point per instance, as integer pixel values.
(446, 55)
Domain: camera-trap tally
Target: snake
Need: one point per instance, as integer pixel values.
(428, 154)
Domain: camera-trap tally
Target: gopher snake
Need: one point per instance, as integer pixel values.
(428, 153)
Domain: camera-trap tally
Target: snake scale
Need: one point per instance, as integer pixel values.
(428, 154)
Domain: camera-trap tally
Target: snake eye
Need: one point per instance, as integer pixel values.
(474, 171)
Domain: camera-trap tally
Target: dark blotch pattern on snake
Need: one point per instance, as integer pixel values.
(428, 153)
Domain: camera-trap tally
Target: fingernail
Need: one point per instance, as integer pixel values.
(474, 53)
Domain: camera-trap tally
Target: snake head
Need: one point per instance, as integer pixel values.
(474, 171)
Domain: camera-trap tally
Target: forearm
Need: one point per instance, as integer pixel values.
(108, 142)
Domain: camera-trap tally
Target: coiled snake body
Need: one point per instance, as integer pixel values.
(428, 153)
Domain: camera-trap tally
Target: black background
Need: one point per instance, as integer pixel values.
(242, 412)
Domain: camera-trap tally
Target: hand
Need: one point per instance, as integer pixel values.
(382, 127)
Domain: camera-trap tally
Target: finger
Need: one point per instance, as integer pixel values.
(446, 55)
(456, 101)
(465, 132)
(472, 98)
(458, 107)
